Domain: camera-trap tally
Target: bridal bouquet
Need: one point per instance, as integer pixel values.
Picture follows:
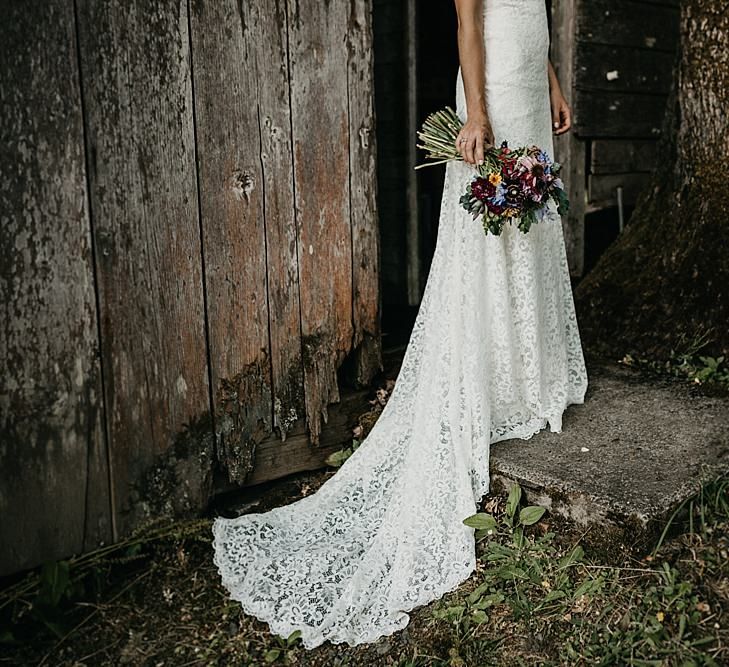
(511, 185)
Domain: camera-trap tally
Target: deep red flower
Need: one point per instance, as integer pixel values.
(482, 189)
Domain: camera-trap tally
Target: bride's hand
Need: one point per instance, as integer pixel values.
(474, 138)
(561, 113)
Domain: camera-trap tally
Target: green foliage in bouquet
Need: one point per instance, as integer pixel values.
(510, 185)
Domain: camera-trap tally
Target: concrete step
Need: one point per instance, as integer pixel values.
(648, 444)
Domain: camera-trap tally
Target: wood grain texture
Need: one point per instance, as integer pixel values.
(366, 305)
(321, 145)
(618, 156)
(246, 191)
(276, 459)
(604, 114)
(281, 234)
(54, 498)
(569, 151)
(138, 101)
(628, 23)
(623, 69)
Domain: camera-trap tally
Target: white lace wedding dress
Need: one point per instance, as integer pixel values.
(495, 353)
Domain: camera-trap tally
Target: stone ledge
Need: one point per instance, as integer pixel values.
(651, 442)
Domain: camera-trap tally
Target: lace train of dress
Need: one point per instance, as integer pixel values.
(495, 353)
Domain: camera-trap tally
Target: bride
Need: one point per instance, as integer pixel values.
(495, 353)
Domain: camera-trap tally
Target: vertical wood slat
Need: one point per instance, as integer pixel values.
(245, 166)
(568, 149)
(137, 93)
(281, 234)
(232, 217)
(54, 495)
(363, 196)
(274, 108)
(321, 145)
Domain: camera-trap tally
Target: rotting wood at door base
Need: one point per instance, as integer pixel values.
(275, 458)
(240, 426)
(179, 482)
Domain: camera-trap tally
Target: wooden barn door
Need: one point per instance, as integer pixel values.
(288, 217)
(54, 484)
(190, 256)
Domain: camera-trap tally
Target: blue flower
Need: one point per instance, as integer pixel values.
(499, 196)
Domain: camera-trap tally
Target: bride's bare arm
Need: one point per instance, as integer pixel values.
(476, 133)
(561, 113)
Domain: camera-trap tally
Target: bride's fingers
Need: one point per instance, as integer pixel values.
(460, 145)
(470, 146)
(479, 152)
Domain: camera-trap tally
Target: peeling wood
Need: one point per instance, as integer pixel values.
(275, 127)
(239, 423)
(321, 139)
(242, 75)
(52, 447)
(275, 459)
(366, 299)
(179, 481)
(233, 210)
(265, 110)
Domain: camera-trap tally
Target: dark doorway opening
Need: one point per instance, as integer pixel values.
(416, 63)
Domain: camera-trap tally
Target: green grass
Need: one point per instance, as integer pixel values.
(686, 362)
(540, 596)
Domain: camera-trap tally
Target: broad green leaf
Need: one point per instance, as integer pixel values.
(272, 654)
(530, 515)
(481, 521)
(554, 595)
(479, 616)
(478, 592)
(574, 556)
(54, 582)
(336, 459)
(489, 600)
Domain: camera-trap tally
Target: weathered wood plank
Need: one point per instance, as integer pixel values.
(602, 189)
(568, 149)
(628, 23)
(281, 233)
(321, 140)
(622, 69)
(54, 494)
(363, 195)
(276, 459)
(615, 156)
(246, 191)
(139, 126)
(604, 114)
